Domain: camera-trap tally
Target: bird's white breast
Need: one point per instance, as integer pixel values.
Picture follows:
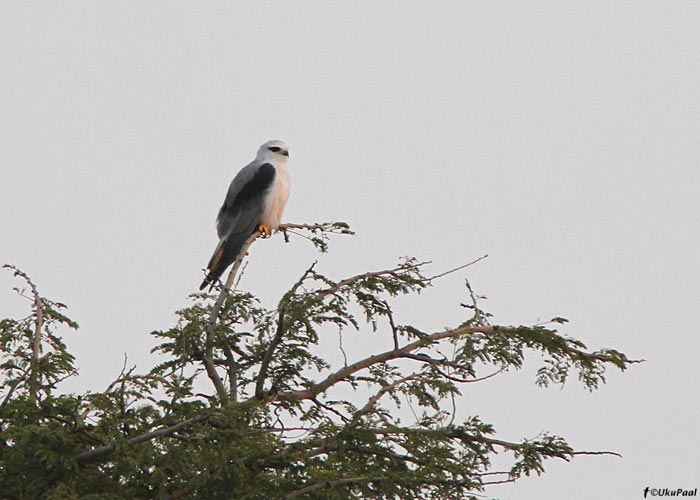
(276, 198)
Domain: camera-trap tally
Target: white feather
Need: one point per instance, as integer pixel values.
(276, 198)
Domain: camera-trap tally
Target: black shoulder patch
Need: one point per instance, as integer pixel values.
(256, 186)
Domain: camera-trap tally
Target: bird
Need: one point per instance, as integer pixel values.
(254, 202)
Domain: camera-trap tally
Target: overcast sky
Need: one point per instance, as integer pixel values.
(561, 138)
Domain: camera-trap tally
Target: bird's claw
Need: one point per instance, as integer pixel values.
(265, 231)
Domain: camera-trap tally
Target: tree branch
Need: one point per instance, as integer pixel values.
(120, 378)
(330, 484)
(384, 390)
(404, 352)
(208, 354)
(102, 452)
(379, 452)
(15, 383)
(459, 268)
(324, 227)
(38, 325)
(457, 434)
(334, 287)
(232, 367)
(343, 373)
(281, 328)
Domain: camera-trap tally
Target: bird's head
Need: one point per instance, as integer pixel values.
(274, 151)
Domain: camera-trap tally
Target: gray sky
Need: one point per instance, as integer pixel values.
(561, 138)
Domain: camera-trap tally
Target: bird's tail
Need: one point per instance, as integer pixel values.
(225, 254)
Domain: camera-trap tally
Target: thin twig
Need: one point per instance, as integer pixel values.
(392, 324)
(334, 287)
(384, 390)
(613, 453)
(340, 345)
(331, 409)
(122, 375)
(480, 317)
(459, 268)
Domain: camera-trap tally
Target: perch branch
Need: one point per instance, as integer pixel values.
(208, 355)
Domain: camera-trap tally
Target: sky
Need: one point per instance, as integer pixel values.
(558, 137)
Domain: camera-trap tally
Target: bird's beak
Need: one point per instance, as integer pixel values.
(286, 153)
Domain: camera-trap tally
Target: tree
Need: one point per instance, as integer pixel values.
(243, 406)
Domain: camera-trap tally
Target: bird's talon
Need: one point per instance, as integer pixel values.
(265, 231)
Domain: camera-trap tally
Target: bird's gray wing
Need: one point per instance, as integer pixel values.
(250, 183)
(239, 215)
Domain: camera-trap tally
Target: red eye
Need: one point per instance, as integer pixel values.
(275, 149)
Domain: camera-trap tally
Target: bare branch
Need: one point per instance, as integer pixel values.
(613, 453)
(485, 377)
(340, 345)
(480, 317)
(458, 268)
(499, 481)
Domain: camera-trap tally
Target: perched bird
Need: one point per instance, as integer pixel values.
(255, 201)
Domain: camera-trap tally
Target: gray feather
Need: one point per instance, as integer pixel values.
(240, 215)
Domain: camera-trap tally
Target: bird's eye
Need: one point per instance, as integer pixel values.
(275, 149)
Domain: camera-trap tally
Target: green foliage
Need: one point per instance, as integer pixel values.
(242, 404)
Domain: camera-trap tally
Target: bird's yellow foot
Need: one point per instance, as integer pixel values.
(265, 231)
